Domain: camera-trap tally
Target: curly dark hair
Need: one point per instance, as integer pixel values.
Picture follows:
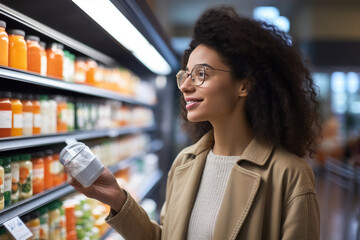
(281, 106)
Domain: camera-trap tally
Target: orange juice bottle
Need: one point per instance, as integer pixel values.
(28, 116)
(55, 58)
(36, 115)
(17, 115)
(61, 121)
(43, 69)
(33, 54)
(38, 172)
(91, 69)
(17, 49)
(5, 114)
(4, 45)
(48, 174)
(80, 70)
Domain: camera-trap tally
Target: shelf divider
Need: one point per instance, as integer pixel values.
(32, 78)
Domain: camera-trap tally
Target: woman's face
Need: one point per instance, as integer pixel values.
(217, 97)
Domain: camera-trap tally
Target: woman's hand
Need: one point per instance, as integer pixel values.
(105, 189)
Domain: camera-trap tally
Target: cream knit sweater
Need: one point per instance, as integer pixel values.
(210, 194)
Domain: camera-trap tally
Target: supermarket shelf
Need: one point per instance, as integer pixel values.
(32, 78)
(35, 202)
(13, 143)
(72, 43)
(155, 146)
(50, 195)
(148, 184)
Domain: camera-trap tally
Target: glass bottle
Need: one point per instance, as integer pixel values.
(4, 45)
(38, 172)
(7, 181)
(17, 114)
(15, 175)
(5, 114)
(17, 49)
(26, 177)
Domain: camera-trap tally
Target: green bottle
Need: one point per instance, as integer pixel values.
(7, 180)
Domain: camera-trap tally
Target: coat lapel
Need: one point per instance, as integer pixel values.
(241, 190)
(239, 196)
(186, 183)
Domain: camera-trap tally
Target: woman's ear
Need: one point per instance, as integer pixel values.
(244, 88)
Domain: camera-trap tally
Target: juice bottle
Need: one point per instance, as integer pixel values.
(33, 54)
(37, 115)
(43, 70)
(44, 223)
(80, 70)
(17, 49)
(61, 115)
(91, 69)
(38, 172)
(62, 220)
(55, 58)
(45, 114)
(2, 176)
(70, 119)
(54, 221)
(48, 173)
(17, 115)
(34, 225)
(58, 170)
(15, 177)
(52, 115)
(28, 116)
(7, 181)
(26, 177)
(4, 45)
(5, 114)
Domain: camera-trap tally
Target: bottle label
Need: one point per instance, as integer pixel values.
(15, 181)
(37, 120)
(38, 174)
(18, 120)
(7, 182)
(28, 120)
(5, 119)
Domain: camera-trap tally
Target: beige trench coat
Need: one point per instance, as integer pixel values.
(270, 194)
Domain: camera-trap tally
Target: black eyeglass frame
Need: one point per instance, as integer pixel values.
(206, 66)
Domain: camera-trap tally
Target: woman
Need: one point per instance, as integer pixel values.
(250, 103)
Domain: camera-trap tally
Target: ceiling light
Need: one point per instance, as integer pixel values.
(116, 24)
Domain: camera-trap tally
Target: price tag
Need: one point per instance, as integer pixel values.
(18, 229)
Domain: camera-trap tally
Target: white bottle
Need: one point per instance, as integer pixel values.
(45, 114)
(52, 116)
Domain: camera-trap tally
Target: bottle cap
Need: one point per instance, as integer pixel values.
(24, 157)
(49, 152)
(5, 94)
(16, 32)
(34, 215)
(37, 155)
(32, 38)
(43, 44)
(3, 24)
(15, 158)
(7, 160)
(16, 95)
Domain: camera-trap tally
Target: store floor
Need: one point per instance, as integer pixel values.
(339, 202)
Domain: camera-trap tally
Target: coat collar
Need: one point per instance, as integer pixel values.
(239, 195)
(257, 151)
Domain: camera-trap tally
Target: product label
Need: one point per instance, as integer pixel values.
(56, 167)
(44, 231)
(18, 120)
(5, 119)
(38, 174)
(80, 77)
(43, 65)
(18, 229)
(36, 231)
(7, 182)
(37, 120)
(15, 181)
(28, 120)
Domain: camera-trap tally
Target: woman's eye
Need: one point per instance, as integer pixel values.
(201, 73)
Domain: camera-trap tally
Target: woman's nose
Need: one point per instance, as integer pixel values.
(187, 85)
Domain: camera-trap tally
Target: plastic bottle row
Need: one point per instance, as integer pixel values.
(24, 175)
(28, 53)
(27, 114)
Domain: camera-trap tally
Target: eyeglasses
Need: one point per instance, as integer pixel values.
(197, 74)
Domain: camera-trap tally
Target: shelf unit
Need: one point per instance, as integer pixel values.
(62, 190)
(17, 79)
